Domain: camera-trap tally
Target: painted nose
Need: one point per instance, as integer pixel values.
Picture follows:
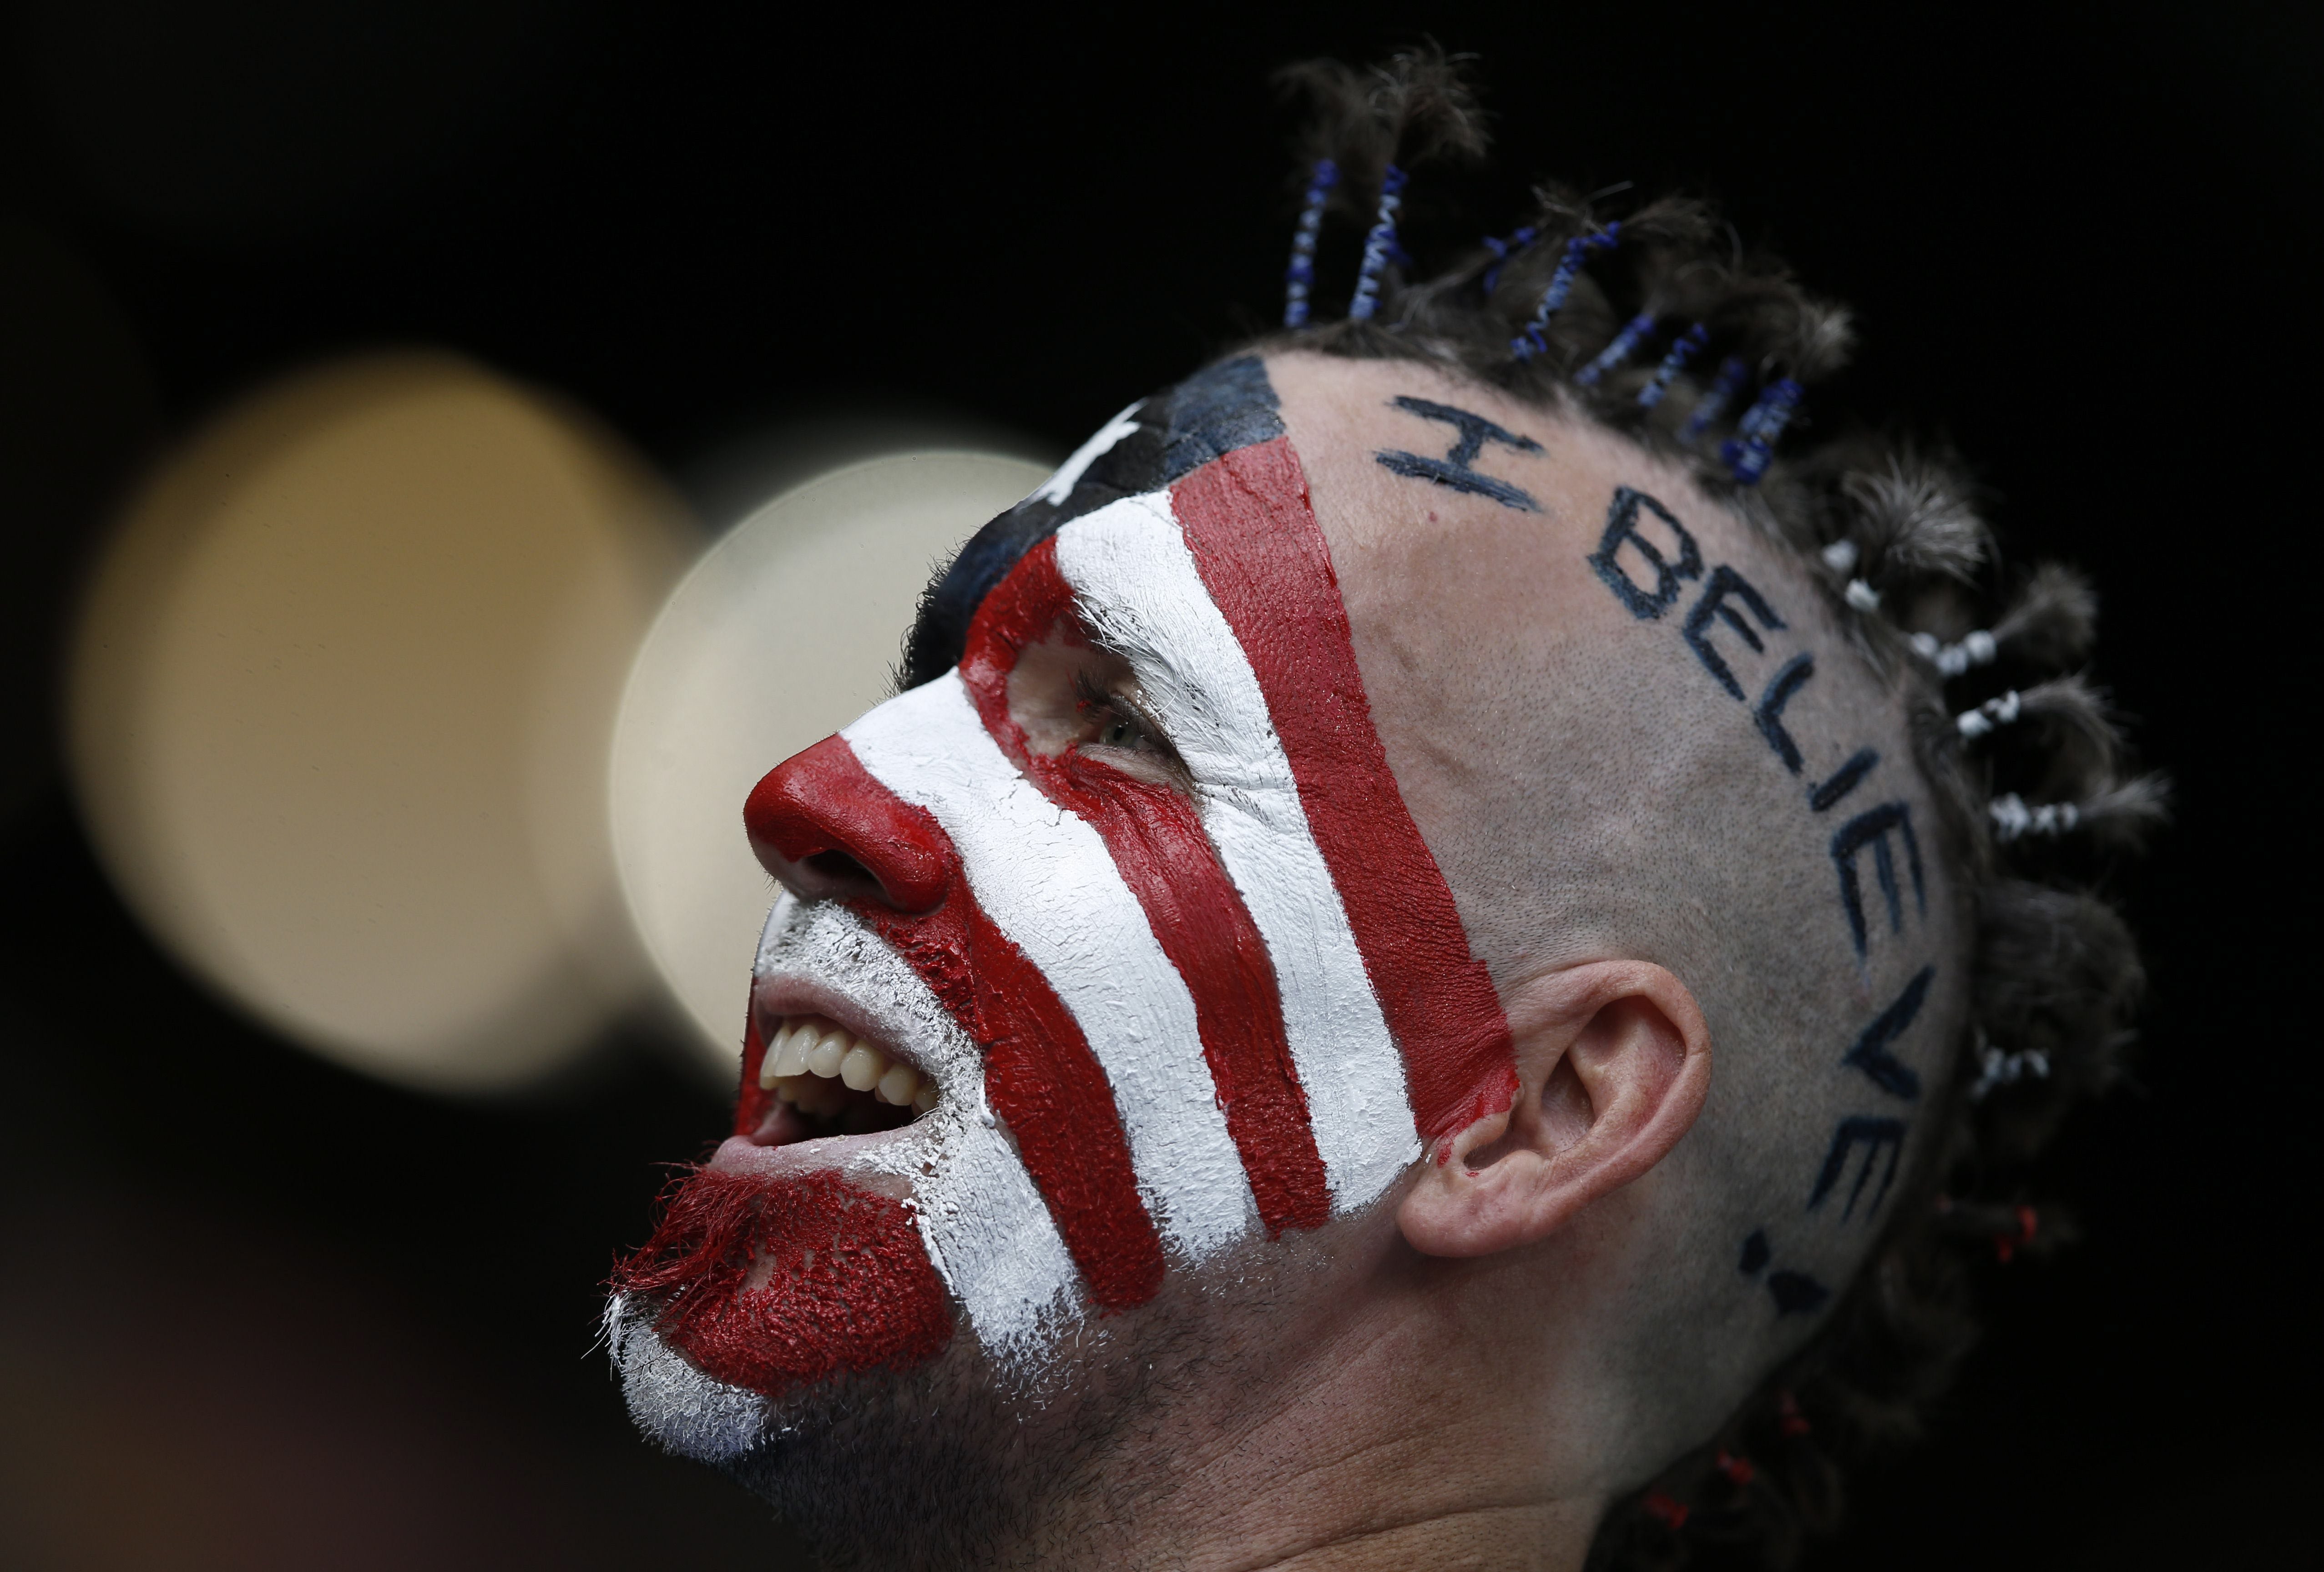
(822, 826)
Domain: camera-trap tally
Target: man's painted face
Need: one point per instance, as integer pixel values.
(1125, 901)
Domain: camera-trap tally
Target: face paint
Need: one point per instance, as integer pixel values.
(1143, 596)
(988, 1230)
(1241, 1001)
(1046, 962)
(776, 1286)
(1154, 836)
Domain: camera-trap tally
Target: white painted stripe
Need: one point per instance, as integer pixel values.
(1060, 485)
(1141, 595)
(986, 1227)
(1046, 880)
(694, 1415)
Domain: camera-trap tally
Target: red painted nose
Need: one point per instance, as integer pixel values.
(820, 824)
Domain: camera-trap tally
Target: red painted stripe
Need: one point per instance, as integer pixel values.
(1160, 850)
(1255, 540)
(1039, 1075)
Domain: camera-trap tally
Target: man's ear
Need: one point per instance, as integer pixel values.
(1613, 1062)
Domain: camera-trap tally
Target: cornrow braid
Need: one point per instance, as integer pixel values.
(1374, 127)
(1655, 325)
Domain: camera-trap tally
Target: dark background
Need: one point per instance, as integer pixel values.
(255, 1312)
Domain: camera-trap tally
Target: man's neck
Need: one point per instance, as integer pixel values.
(1365, 1440)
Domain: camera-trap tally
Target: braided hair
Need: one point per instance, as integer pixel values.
(1654, 324)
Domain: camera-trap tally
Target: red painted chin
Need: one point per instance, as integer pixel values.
(773, 1284)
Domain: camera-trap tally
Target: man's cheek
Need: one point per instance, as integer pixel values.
(1092, 1056)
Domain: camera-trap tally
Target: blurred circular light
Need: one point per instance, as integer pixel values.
(787, 628)
(340, 700)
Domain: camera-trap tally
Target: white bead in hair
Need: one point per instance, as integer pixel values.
(2000, 1069)
(2012, 816)
(1839, 556)
(1952, 660)
(1989, 715)
(1861, 595)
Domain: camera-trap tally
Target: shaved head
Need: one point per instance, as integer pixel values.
(1593, 787)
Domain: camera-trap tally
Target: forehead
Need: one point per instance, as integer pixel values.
(1441, 500)
(1457, 516)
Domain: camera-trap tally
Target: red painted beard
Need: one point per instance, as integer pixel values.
(774, 1284)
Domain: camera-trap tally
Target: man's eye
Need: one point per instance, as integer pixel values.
(1112, 720)
(1114, 726)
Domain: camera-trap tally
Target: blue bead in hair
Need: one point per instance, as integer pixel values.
(1502, 251)
(1302, 273)
(1380, 247)
(1615, 353)
(1713, 403)
(1535, 339)
(1750, 451)
(1673, 363)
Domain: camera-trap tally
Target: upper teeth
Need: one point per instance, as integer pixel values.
(811, 1045)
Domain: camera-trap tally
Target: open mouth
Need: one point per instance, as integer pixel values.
(828, 1080)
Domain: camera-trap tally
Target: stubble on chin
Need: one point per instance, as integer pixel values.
(966, 1463)
(954, 1465)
